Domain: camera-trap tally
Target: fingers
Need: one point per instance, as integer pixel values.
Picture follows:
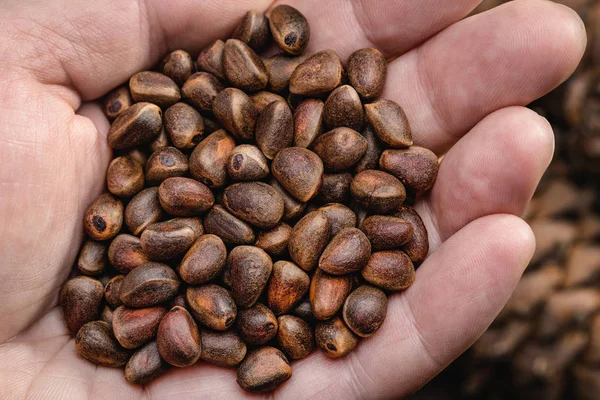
(391, 26)
(94, 47)
(458, 292)
(42, 203)
(91, 47)
(494, 169)
(510, 55)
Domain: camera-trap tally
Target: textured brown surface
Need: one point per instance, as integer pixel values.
(154, 87)
(367, 71)
(178, 338)
(254, 30)
(263, 370)
(299, 171)
(289, 28)
(178, 66)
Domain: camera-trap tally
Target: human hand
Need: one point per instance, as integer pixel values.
(462, 84)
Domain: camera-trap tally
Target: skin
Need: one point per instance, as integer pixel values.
(463, 84)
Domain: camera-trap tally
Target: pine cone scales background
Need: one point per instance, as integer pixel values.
(545, 344)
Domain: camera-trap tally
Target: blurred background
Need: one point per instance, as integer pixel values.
(546, 342)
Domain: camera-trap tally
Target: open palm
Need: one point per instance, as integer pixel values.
(462, 83)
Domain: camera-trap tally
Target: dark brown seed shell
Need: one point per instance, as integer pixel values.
(178, 66)
(81, 301)
(143, 210)
(247, 163)
(347, 252)
(288, 285)
(184, 197)
(343, 108)
(138, 124)
(364, 310)
(178, 300)
(263, 98)
(389, 270)
(201, 89)
(416, 167)
(112, 291)
(155, 88)
(96, 343)
(320, 73)
(195, 223)
(295, 337)
(292, 208)
(226, 277)
(340, 148)
(135, 326)
(304, 311)
(165, 163)
(104, 278)
(328, 293)
(208, 161)
(93, 258)
(184, 125)
(211, 59)
(117, 101)
(256, 325)
(308, 122)
(334, 338)
(160, 142)
(167, 240)
(274, 128)
(254, 30)
(107, 315)
(377, 191)
(138, 155)
(255, 202)
(339, 217)
(275, 241)
(294, 100)
(204, 261)
(224, 349)
(263, 370)
(367, 70)
(299, 171)
(374, 148)
(416, 248)
(104, 217)
(308, 239)
(125, 253)
(335, 188)
(212, 306)
(389, 123)
(280, 68)
(228, 227)
(243, 67)
(145, 365)
(149, 284)
(178, 338)
(387, 232)
(234, 109)
(250, 268)
(124, 176)
(290, 29)
(211, 125)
